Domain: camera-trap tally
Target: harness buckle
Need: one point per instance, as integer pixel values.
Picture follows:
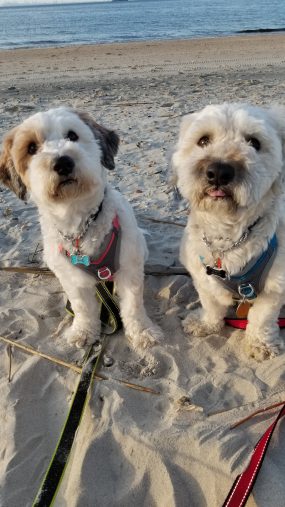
(104, 273)
(246, 291)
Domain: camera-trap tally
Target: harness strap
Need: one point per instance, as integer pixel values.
(254, 273)
(242, 323)
(244, 482)
(103, 268)
(250, 281)
(109, 312)
(106, 265)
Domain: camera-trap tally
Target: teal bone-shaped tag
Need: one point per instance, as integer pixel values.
(80, 259)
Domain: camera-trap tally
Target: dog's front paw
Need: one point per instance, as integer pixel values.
(80, 337)
(259, 350)
(146, 338)
(197, 327)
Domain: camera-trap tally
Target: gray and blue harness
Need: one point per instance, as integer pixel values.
(247, 284)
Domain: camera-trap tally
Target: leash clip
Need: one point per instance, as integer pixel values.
(246, 291)
(104, 273)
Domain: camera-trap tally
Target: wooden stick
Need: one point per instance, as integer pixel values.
(159, 270)
(260, 411)
(27, 269)
(117, 104)
(74, 367)
(30, 350)
(10, 363)
(168, 222)
(149, 270)
(250, 403)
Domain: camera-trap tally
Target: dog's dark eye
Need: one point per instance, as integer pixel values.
(32, 148)
(204, 141)
(255, 143)
(72, 136)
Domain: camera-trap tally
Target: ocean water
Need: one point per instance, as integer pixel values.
(136, 20)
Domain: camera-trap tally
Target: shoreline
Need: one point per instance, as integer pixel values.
(242, 33)
(22, 67)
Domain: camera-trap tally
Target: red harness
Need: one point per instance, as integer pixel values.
(242, 323)
(106, 265)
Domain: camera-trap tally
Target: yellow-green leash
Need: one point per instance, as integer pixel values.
(55, 472)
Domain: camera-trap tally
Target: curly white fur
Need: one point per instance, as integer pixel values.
(257, 191)
(64, 203)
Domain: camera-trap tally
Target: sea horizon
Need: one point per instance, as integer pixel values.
(107, 21)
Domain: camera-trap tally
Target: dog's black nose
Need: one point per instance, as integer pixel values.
(220, 173)
(64, 165)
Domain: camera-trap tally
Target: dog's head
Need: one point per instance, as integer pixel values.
(57, 155)
(229, 156)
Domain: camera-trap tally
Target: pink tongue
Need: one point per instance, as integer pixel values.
(216, 193)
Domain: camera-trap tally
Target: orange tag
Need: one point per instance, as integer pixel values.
(243, 309)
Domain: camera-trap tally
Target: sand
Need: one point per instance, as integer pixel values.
(134, 448)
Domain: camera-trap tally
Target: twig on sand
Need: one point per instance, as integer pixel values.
(27, 269)
(9, 350)
(117, 104)
(168, 222)
(160, 270)
(74, 367)
(30, 350)
(149, 270)
(257, 412)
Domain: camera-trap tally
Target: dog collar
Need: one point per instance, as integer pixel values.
(235, 244)
(75, 239)
(107, 262)
(247, 284)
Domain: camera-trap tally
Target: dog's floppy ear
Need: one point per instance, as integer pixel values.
(8, 174)
(109, 140)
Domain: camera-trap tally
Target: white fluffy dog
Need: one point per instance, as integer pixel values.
(60, 157)
(229, 163)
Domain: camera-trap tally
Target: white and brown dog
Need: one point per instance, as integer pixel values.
(59, 157)
(229, 163)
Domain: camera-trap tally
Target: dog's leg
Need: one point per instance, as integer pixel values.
(210, 318)
(138, 326)
(86, 325)
(262, 336)
(80, 290)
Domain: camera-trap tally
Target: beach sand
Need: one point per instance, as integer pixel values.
(134, 448)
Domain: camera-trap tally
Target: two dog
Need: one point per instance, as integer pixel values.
(229, 164)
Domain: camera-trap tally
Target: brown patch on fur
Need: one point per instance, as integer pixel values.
(21, 157)
(109, 140)
(8, 172)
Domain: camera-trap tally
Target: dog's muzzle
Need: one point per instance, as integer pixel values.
(220, 174)
(64, 165)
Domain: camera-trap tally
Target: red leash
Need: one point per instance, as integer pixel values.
(242, 323)
(244, 482)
